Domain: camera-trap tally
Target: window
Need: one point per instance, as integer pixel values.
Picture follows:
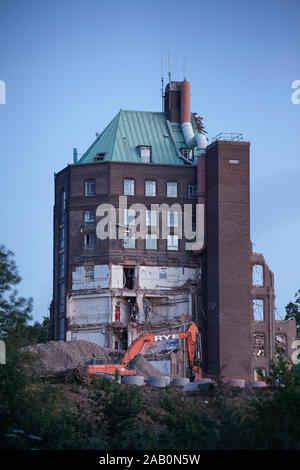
(151, 241)
(89, 218)
(192, 191)
(258, 344)
(89, 187)
(172, 242)
(171, 189)
(163, 275)
(129, 187)
(61, 297)
(99, 157)
(188, 153)
(145, 153)
(129, 277)
(129, 241)
(88, 272)
(151, 218)
(62, 206)
(89, 240)
(150, 189)
(280, 345)
(61, 238)
(257, 275)
(258, 309)
(172, 219)
(259, 374)
(129, 217)
(61, 263)
(61, 328)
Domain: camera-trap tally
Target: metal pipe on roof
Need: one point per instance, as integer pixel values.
(75, 155)
(199, 141)
(192, 140)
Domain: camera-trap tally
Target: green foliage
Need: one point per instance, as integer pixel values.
(116, 410)
(119, 419)
(210, 423)
(50, 417)
(8, 271)
(15, 311)
(293, 311)
(38, 332)
(274, 415)
(185, 425)
(35, 414)
(12, 389)
(40, 411)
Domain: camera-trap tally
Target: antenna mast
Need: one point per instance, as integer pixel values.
(169, 73)
(162, 85)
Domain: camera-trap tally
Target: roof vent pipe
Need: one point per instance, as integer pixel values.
(75, 155)
(191, 140)
(199, 141)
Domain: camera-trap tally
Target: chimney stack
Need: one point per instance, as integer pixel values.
(172, 101)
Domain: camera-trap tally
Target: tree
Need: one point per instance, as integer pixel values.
(14, 310)
(38, 332)
(293, 311)
(274, 414)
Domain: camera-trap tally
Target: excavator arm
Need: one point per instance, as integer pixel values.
(148, 339)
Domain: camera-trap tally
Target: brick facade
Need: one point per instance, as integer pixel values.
(215, 288)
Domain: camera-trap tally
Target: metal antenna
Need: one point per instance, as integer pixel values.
(162, 85)
(169, 73)
(184, 72)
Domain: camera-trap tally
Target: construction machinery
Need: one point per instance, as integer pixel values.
(191, 336)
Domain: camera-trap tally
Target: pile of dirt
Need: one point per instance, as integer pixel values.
(56, 356)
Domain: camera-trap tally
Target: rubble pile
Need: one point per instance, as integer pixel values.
(145, 368)
(54, 357)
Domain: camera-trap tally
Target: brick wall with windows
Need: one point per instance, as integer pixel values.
(88, 186)
(131, 180)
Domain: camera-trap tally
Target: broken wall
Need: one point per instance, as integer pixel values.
(269, 335)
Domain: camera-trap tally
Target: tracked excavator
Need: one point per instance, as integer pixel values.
(191, 336)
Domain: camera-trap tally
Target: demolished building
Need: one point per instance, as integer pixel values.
(109, 290)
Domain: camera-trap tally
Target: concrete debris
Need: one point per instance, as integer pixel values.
(180, 381)
(133, 380)
(157, 381)
(143, 367)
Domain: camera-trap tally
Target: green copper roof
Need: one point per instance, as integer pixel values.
(120, 139)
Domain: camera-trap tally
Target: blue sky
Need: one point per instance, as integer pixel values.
(69, 66)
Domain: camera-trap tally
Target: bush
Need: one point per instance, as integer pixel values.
(274, 416)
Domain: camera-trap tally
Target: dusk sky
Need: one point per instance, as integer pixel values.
(69, 66)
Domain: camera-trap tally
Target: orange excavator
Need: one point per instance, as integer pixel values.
(191, 335)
